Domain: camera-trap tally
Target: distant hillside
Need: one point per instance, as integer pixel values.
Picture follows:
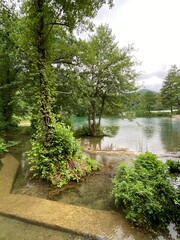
(144, 90)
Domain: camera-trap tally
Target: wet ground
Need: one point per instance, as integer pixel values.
(92, 192)
(12, 229)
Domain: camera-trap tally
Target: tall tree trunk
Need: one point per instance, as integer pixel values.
(171, 109)
(45, 105)
(93, 118)
(101, 110)
(89, 121)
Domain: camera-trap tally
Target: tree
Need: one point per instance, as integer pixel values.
(53, 147)
(67, 74)
(44, 17)
(170, 91)
(10, 64)
(107, 76)
(148, 100)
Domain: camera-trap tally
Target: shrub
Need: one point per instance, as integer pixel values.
(101, 131)
(173, 166)
(145, 192)
(62, 161)
(85, 131)
(3, 146)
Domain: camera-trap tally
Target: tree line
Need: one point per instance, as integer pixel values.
(167, 99)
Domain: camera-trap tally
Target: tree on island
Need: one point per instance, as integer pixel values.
(104, 79)
(108, 75)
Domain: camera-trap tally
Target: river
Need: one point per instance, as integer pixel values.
(157, 135)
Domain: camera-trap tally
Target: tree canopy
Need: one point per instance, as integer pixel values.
(170, 91)
(10, 64)
(109, 75)
(104, 79)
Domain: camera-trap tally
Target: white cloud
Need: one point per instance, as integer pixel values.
(153, 26)
(153, 83)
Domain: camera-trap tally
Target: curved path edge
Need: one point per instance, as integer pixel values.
(80, 220)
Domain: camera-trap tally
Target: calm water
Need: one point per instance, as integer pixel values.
(158, 135)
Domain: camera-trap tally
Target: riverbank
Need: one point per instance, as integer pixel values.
(177, 116)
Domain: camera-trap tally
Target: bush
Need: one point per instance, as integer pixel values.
(3, 146)
(101, 131)
(145, 192)
(173, 166)
(62, 161)
(84, 131)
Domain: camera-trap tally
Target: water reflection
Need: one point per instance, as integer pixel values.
(158, 135)
(149, 127)
(170, 134)
(92, 143)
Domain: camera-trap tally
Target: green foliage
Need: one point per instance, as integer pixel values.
(147, 101)
(173, 166)
(82, 131)
(65, 119)
(171, 88)
(141, 113)
(101, 131)
(3, 146)
(10, 64)
(62, 161)
(108, 76)
(145, 192)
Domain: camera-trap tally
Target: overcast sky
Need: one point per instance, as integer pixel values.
(153, 27)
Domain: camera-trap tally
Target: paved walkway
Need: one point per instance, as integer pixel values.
(70, 218)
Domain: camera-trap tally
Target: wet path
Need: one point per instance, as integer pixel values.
(95, 224)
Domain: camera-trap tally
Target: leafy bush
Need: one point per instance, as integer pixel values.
(65, 119)
(145, 192)
(100, 131)
(85, 131)
(62, 161)
(173, 166)
(3, 146)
